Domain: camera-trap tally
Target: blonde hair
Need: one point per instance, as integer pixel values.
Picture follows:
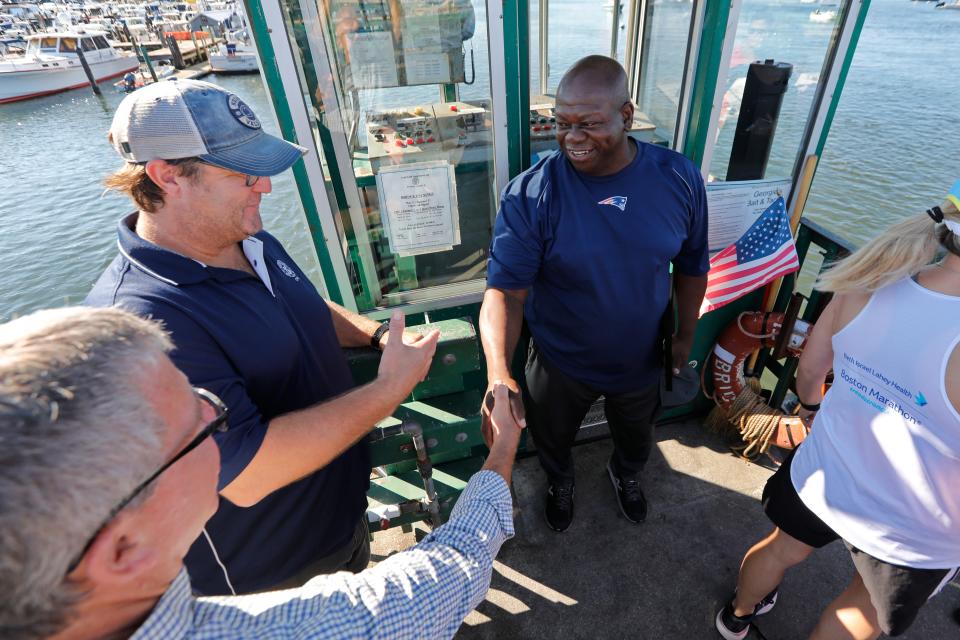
(132, 180)
(77, 435)
(899, 252)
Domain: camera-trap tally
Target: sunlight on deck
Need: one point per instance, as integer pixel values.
(511, 604)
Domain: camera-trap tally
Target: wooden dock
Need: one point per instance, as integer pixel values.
(191, 54)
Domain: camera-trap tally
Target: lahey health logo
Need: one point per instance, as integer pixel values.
(620, 202)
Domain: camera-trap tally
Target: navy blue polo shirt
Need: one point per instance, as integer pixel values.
(265, 345)
(594, 253)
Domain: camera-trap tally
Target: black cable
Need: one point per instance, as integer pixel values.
(473, 67)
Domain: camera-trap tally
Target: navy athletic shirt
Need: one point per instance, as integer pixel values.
(594, 253)
(266, 346)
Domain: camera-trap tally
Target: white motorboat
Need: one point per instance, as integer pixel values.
(50, 65)
(823, 15)
(235, 56)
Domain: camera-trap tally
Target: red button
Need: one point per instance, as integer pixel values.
(536, 128)
(453, 107)
(419, 140)
(400, 143)
(430, 139)
(546, 127)
(409, 140)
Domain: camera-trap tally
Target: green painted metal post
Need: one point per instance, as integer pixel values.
(271, 72)
(516, 44)
(841, 81)
(146, 58)
(713, 32)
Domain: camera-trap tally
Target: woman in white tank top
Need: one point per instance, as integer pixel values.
(881, 466)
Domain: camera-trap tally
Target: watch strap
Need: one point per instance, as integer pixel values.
(378, 334)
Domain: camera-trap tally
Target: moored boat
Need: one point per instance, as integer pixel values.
(235, 56)
(51, 64)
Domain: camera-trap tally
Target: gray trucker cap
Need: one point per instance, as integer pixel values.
(190, 118)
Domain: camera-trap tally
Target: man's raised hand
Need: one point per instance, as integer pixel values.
(405, 363)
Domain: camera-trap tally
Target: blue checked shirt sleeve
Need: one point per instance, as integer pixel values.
(424, 592)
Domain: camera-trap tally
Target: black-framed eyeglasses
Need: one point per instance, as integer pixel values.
(219, 423)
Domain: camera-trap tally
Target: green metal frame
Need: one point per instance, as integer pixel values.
(844, 70)
(516, 37)
(809, 234)
(715, 18)
(271, 72)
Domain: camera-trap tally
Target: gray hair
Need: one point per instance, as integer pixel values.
(76, 435)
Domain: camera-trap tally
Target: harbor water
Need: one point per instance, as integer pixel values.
(894, 149)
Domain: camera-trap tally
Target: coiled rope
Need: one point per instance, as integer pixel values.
(750, 418)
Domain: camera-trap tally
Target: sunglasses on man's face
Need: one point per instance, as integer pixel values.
(219, 423)
(248, 179)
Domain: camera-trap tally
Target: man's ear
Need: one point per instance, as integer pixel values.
(164, 175)
(119, 554)
(626, 111)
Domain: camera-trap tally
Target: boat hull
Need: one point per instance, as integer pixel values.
(240, 63)
(33, 83)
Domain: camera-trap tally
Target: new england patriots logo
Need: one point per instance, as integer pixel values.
(620, 202)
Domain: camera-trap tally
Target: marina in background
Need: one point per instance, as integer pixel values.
(891, 151)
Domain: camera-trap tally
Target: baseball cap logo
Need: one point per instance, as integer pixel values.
(243, 114)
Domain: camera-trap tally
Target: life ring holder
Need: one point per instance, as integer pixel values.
(740, 406)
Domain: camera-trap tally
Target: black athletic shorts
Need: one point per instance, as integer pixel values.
(896, 592)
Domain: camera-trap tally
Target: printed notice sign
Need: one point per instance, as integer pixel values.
(734, 206)
(373, 62)
(426, 68)
(421, 30)
(418, 205)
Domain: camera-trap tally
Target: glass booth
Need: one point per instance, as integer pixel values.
(418, 112)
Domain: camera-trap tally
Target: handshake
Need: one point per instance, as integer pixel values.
(501, 412)
(501, 421)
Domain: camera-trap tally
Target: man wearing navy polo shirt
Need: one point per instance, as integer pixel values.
(249, 326)
(582, 249)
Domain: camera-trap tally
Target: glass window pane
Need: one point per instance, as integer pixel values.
(68, 45)
(405, 125)
(663, 62)
(575, 28)
(798, 34)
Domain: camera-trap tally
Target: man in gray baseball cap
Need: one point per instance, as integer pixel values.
(248, 325)
(192, 119)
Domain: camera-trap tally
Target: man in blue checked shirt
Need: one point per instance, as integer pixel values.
(109, 475)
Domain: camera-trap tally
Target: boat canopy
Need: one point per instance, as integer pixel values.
(229, 19)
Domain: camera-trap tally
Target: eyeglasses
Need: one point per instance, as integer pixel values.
(219, 423)
(247, 178)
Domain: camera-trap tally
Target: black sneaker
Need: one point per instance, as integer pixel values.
(559, 509)
(633, 505)
(734, 627)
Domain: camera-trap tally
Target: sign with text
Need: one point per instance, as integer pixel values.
(418, 205)
(734, 206)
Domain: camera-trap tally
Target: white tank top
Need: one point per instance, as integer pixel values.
(881, 466)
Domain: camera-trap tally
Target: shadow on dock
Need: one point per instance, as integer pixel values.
(607, 578)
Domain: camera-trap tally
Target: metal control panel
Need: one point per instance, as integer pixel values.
(543, 125)
(543, 121)
(400, 134)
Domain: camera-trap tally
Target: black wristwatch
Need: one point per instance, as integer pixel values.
(809, 407)
(382, 329)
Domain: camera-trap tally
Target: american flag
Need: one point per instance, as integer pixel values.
(766, 251)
